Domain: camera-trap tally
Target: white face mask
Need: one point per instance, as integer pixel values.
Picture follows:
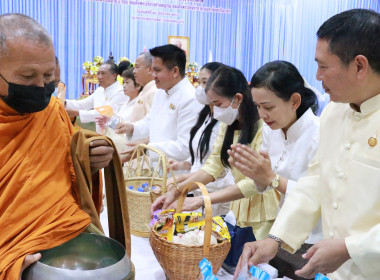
(227, 115)
(201, 96)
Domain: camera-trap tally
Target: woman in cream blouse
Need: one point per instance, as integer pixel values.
(131, 89)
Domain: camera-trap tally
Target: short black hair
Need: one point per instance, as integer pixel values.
(123, 65)
(351, 33)
(113, 66)
(171, 56)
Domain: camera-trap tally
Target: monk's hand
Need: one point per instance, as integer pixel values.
(101, 153)
(255, 253)
(252, 164)
(29, 259)
(325, 256)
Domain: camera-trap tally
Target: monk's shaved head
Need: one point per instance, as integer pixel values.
(17, 25)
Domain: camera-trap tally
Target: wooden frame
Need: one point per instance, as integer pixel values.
(183, 43)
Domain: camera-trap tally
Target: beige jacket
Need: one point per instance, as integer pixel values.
(343, 188)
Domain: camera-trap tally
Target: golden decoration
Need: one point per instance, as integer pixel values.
(372, 141)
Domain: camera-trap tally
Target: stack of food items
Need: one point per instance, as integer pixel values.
(188, 228)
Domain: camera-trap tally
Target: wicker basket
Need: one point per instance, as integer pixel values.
(140, 171)
(181, 262)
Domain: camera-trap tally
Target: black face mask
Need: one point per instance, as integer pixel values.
(28, 99)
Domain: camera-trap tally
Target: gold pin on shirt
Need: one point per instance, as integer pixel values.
(140, 101)
(372, 142)
(172, 106)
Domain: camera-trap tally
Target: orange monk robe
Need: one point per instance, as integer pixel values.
(37, 206)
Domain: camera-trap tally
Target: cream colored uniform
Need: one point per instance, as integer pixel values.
(255, 210)
(343, 187)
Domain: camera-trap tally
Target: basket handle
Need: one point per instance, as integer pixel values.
(137, 153)
(208, 213)
(161, 160)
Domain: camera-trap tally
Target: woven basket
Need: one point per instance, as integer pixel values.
(181, 262)
(140, 171)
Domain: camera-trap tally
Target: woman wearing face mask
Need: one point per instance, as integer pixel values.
(131, 89)
(228, 92)
(202, 137)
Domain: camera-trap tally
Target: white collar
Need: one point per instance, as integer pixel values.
(297, 129)
(179, 85)
(112, 87)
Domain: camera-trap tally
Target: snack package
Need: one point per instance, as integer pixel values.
(206, 270)
(321, 277)
(155, 213)
(220, 229)
(244, 274)
(258, 273)
(165, 224)
(185, 222)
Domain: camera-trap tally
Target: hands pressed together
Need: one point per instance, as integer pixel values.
(254, 165)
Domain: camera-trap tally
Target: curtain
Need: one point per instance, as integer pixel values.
(251, 33)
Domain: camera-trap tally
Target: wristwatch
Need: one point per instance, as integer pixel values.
(275, 238)
(275, 183)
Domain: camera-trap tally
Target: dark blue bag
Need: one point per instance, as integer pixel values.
(239, 236)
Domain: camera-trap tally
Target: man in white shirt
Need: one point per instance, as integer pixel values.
(174, 110)
(143, 75)
(342, 182)
(109, 92)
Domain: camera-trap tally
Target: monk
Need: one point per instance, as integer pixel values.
(38, 201)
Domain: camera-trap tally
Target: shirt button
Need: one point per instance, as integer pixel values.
(347, 146)
(340, 175)
(335, 205)
(331, 234)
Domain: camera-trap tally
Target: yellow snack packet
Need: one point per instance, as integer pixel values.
(185, 222)
(165, 224)
(220, 227)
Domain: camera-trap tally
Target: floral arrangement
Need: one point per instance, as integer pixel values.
(92, 67)
(98, 60)
(193, 65)
(87, 65)
(94, 70)
(123, 59)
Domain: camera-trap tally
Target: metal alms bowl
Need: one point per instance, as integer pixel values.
(87, 256)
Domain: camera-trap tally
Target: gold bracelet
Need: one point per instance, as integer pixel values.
(176, 186)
